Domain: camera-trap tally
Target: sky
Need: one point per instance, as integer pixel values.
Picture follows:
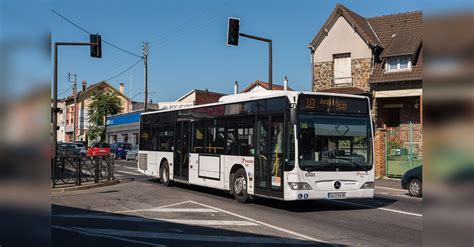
(188, 40)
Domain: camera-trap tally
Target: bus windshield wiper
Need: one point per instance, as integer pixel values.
(353, 163)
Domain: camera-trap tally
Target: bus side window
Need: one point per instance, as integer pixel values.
(215, 141)
(198, 137)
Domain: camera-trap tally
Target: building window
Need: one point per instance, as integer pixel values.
(125, 137)
(398, 64)
(135, 138)
(342, 69)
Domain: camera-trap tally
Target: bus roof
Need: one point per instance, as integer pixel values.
(243, 97)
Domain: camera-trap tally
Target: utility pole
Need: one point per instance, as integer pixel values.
(74, 93)
(145, 61)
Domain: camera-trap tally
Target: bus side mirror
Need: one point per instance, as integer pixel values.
(293, 115)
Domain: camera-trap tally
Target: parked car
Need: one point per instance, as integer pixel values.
(99, 149)
(132, 154)
(67, 148)
(82, 148)
(412, 181)
(119, 149)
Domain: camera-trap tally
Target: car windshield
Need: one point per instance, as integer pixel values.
(68, 145)
(332, 143)
(79, 145)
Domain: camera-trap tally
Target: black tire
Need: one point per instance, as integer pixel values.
(239, 186)
(415, 187)
(165, 174)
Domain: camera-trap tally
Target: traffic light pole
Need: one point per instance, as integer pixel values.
(54, 135)
(269, 41)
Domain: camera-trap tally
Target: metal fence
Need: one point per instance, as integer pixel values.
(403, 149)
(75, 170)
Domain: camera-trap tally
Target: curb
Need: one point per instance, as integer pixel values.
(86, 187)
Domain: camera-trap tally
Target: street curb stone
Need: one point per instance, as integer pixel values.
(86, 187)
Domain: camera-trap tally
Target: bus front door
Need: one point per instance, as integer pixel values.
(269, 156)
(181, 151)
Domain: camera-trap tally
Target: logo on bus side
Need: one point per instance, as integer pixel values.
(247, 162)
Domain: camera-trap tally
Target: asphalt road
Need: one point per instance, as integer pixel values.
(142, 212)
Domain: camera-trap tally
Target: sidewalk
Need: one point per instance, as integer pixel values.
(389, 183)
(60, 188)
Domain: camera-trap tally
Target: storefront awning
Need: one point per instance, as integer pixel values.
(398, 93)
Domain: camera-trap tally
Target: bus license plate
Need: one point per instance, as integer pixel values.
(337, 195)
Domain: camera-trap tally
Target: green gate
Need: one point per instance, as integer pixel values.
(403, 149)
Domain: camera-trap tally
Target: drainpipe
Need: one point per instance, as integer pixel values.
(312, 67)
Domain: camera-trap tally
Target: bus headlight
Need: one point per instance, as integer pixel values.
(367, 185)
(300, 186)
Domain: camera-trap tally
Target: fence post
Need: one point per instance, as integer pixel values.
(386, 153)
(53, 175)
(109, 165)
(79, 170)
(411, 143)
(97, 171)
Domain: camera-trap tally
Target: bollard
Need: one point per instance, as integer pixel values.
(97, 171)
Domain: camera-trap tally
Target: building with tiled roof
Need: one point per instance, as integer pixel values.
(76, 115)
(380, 57)
(261, 85)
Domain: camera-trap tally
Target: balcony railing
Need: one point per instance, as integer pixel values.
(342, 82)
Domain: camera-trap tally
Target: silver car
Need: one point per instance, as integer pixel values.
(81, 147)
(132, 154)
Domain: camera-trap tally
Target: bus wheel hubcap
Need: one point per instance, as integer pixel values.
(239, 185)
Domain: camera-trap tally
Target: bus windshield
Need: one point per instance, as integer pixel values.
(334, 143)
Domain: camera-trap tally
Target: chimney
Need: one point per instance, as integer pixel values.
(236, 87)
(84, 85)
(122, 88)
(285, 84)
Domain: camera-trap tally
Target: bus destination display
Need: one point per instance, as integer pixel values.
(332, 104)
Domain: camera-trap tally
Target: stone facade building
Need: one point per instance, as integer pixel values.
(380, 57)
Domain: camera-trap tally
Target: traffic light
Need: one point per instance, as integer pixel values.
(233, 32)
(96, 45)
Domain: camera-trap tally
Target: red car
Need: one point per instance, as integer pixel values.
(99, 149)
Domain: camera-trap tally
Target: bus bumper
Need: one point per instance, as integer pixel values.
(294, 195)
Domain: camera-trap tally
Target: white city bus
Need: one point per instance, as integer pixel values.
(279, 144)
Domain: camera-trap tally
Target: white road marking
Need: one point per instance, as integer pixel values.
(384, 209)
(87, 233)
(159, 220)
(128, 173)
(165, 206)
(181, 210)
(262, 223)
(192, 237)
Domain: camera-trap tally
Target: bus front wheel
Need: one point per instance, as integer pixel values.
(239, 186)
(165, 174)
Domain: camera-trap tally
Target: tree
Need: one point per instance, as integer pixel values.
(103, 103)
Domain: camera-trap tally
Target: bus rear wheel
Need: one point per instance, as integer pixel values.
(165, 174)
(239, 186)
